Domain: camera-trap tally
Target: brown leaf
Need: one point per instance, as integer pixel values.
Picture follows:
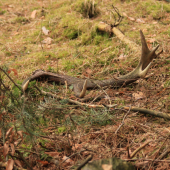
(18, 163)
(0, 132)
(10, 164)
(140, 20)
(53, 154)
(47, 40)
(131, 19)
(8, 132)
(12, 137)
(6, 149)
(122, 56)
(20, 134)
(125, 14)
(138, 95)
(14, 70)
(12, 149)
(33, 14)
(89, 71)
(44, 163)
(67, 160)
(77, 147)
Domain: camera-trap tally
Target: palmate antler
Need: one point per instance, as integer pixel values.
(81, 85)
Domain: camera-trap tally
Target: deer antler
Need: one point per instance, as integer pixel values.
(81, 85)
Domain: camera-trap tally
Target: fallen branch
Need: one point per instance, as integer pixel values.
(148, 111)
(138, 149)
(136, 109)
(89, 158)
(74, 101)
(107, 28)
(123, 121)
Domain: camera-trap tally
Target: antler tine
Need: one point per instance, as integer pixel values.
(83, 92)
(145, 48)
(154, 49)
(80, 88)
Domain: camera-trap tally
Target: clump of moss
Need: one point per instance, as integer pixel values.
(86, 39)
(88, 9)
(62, 54)
(95, 37)
(21, 20)
(2, 11)
(71, 33)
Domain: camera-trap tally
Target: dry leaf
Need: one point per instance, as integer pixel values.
(77, 147)
(138, 95)
(122, 56)
(12, 135)
(12, 149)
(10, 164)
(44, 163)
(6, 149)
(155, 22)
(20, 134)
(140, 20)
(88, 71)
(67, 160)
(33, 14)
(8, 132)
(53, 154)
(18, 163)
(14, 70)
(48, 41)
(45, 31)
(130, 18)
(124, 14)
(106, 167)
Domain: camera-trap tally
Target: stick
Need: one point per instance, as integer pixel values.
(73, 101)
(138, 149)
(123, 121)
(148, 111)
(107, 28)
(89, 158)
(11, 79)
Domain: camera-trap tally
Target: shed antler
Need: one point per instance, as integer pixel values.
(81, 85)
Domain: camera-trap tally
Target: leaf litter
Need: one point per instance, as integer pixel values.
(101, 141)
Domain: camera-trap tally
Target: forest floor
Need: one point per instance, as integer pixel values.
(41, 132)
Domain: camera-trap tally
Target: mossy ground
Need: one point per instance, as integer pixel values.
(77, 46)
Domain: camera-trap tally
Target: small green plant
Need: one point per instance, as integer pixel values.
(2, 11)
(71, 33)
(61, 129)
(21, 20)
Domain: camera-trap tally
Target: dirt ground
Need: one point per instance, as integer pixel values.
(58, 36)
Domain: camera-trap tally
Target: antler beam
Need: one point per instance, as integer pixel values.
(81, 85)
